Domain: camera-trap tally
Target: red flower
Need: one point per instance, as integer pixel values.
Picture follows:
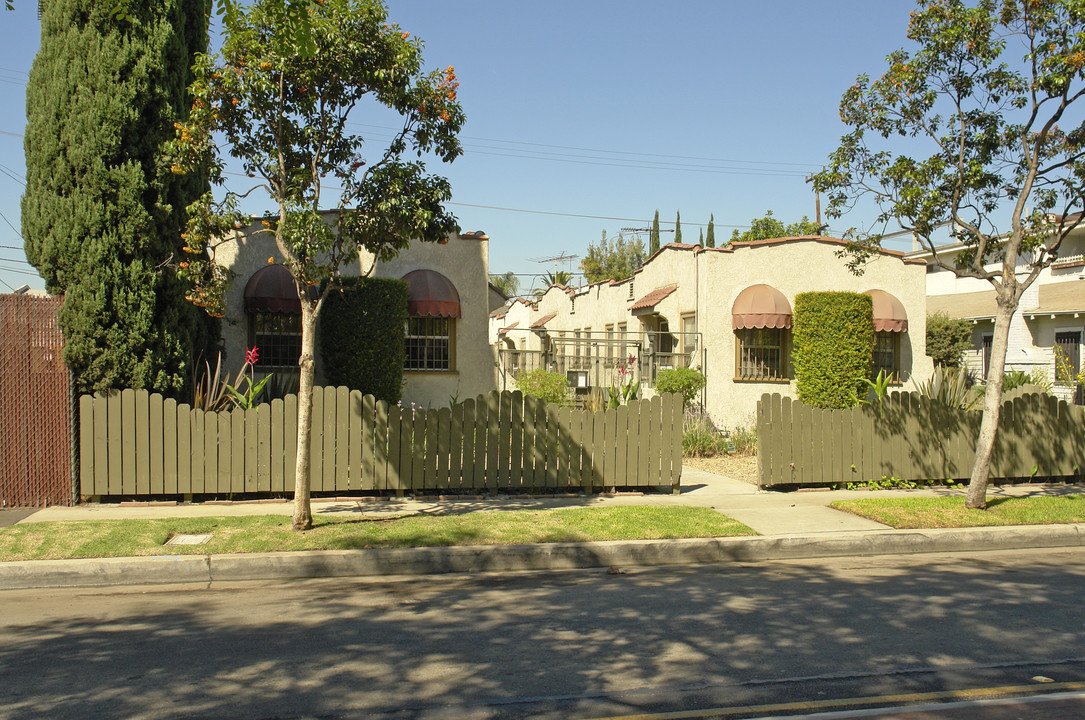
(251, 355)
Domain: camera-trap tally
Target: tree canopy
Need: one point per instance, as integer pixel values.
(281, 92)
(966, 131)
(102, 213)
(767, 227)
(507, 283)
(612, 259)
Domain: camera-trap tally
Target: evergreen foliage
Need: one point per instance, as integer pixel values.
(833, 347)
(768, 227)
(678, 227)
(653, 238)
(686, 382)
(102, 213)
(507, 283)
(612, 259)
(553, 387)
(363, 337)
(948, 339)
(710, 239)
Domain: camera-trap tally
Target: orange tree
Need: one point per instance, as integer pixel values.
(966, 132)
(280, 93)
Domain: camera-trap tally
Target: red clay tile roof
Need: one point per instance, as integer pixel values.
(653, 297)
(505, 329)
(541, 322)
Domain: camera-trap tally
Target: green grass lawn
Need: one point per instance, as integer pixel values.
(269, 533)
(950, 512)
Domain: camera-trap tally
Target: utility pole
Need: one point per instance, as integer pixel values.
(817, 202)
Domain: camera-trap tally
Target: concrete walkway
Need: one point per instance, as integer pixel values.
(789, 525)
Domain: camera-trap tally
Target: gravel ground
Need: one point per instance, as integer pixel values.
(736, 467)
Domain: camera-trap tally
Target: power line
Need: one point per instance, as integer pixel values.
(656, 166)
(2, 215)
(612, 152)
(11, 174)
(18, 271)
(588, 217)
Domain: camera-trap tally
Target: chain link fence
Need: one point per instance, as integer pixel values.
(36, 405)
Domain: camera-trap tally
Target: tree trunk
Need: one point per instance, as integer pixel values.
(992, 404)
(303, 513)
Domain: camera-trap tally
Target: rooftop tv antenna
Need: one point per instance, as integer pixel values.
(562, 258)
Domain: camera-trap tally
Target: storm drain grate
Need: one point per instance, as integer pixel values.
(182, 539)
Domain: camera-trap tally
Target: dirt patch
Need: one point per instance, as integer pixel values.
(736, 467)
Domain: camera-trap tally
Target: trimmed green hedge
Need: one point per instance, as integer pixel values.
(833, 335)
(686, 382)
(363, 336)
(948, 339)
(553, 387)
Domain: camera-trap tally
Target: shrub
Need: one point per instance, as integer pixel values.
(686, 382)
(363, 336)
(553, 387)
(745, 440)
(700, 438)
(833, 335)
(947, 339)
(950, 386)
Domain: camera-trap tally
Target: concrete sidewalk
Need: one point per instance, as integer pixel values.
(789, 525)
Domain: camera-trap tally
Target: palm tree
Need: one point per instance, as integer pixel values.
(560, 277)
(507, 283)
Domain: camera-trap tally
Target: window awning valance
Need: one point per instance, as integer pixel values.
(760, 306)
(271, 289)
(431, 293)
(889, 315)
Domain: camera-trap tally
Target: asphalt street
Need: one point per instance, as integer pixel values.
(576, 644)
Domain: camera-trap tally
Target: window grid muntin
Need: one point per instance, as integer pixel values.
(886, 355)
(278, 339)
(428, 343)
(761, 354)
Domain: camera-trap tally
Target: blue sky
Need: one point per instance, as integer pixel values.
(589, 115)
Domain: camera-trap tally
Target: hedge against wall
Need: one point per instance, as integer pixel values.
(833, 347)
(363, 336)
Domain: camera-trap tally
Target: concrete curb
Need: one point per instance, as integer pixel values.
(510, 558)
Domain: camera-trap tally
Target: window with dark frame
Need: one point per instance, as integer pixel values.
(761, 353)
(1069, 345)
(886, 355)
(278, 337)
(429, 344)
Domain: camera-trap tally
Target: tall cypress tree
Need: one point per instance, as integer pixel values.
(653, 238)
(102, 213)
(678, 227)
(710, 241)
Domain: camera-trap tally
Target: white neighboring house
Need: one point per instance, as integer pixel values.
(1051, 312)
(449, 299)
(726, 311)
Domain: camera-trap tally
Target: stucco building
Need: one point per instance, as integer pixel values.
(726, 311)
(450, 296)
(1051, 313)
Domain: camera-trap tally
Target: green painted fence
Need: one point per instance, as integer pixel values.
(135, 444)
(910, 437)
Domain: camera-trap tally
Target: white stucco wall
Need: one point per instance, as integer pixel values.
(464, 260)
(708, 283)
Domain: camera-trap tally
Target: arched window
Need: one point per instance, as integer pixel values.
(761, 319)
(433, 305)
(890, 322)
(274, 317)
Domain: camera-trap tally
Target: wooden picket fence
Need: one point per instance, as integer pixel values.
(133, 444)
(910, 437)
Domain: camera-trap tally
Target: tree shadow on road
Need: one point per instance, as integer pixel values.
(430, 646)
